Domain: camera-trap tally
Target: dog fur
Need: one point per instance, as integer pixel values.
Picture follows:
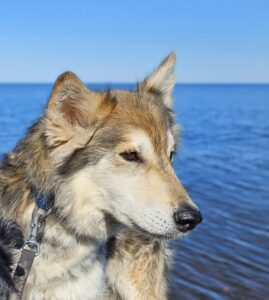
(106, 158)
(11, 238)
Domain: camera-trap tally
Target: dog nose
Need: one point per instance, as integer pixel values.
(187, 219)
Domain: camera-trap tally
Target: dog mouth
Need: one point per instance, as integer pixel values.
(166, 236)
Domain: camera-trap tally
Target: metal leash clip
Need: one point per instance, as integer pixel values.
(31, 248)
(39, 216)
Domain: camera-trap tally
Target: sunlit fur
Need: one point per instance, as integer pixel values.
(106, 235)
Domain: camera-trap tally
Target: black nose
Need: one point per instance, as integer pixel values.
(187, 219)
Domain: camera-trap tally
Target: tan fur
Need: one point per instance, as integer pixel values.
(75, 153)
(137, 267)
(162, 81)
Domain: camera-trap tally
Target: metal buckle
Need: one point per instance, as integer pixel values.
(32, 243)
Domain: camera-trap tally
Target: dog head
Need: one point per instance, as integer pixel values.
(112, 153)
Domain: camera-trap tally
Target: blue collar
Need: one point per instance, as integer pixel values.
(43, 202)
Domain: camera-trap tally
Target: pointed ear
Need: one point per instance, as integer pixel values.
(162, 81)
(73, 111)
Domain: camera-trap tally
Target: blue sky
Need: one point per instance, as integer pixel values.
(121, 41)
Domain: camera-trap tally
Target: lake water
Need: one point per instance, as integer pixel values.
(224, 164)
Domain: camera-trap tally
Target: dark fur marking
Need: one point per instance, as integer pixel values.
(91, 154)
(11, 234)
(110, 247)
(155, 92)
(10, 237)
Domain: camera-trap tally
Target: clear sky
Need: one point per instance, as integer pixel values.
(121, 41)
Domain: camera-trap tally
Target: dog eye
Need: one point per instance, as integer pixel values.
(172, 154)
(131, 156)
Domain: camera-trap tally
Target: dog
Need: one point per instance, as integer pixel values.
(106, 157)
(11, 238)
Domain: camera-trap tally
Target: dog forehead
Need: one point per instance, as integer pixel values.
(142, 108)
(148, 121)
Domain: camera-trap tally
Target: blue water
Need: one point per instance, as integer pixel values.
(224, 164)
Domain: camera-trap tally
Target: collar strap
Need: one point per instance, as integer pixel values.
(43, 202)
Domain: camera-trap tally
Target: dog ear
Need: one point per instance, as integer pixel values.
(162, 81)
(73, 111)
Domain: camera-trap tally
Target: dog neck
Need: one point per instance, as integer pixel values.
(22, 172)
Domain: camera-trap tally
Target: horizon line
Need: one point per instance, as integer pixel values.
(134, 83)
